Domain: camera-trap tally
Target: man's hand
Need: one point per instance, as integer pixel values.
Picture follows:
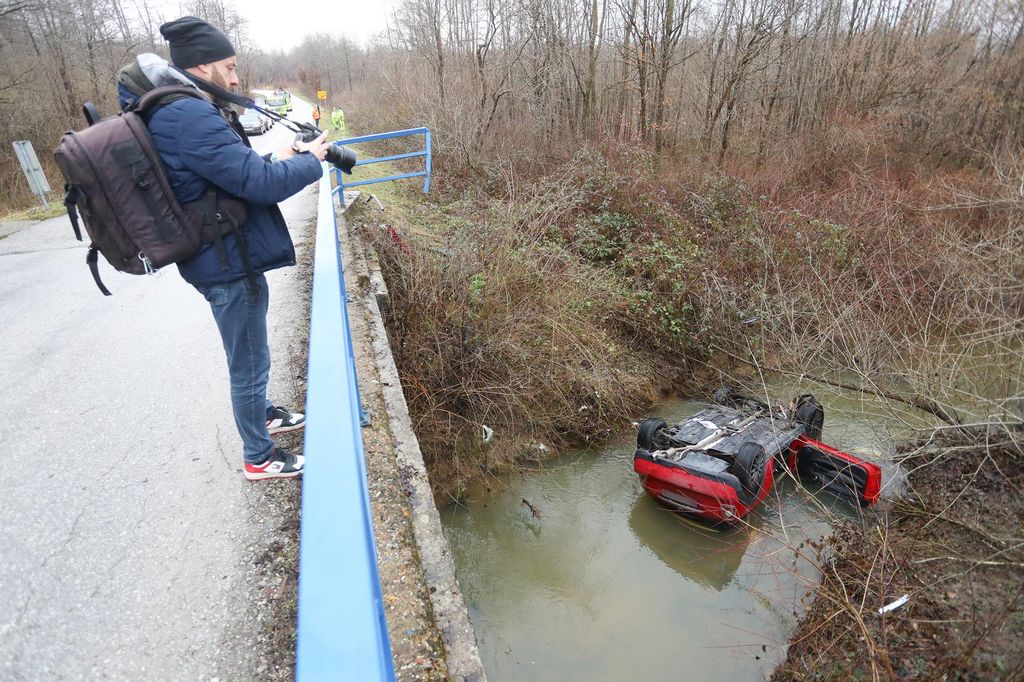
(317, 148)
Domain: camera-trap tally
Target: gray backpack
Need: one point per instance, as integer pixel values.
(115, 179)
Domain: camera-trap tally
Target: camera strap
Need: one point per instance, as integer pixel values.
(245, 102)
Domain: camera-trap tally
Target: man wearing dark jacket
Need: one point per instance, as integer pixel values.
(201, 145)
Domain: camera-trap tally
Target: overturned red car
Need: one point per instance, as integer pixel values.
(720, 463)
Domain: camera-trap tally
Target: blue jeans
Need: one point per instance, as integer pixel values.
(242, 319)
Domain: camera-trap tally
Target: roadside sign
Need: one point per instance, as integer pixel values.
(33, 171)
(321, 95)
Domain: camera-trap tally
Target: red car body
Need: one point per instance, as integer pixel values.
(689, 494)
(720, 463)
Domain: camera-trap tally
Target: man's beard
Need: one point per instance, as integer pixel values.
(218, 79)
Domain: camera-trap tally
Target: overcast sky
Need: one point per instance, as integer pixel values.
(278, 24)
(284, 25)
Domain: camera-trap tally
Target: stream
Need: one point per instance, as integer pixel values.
(571, 572)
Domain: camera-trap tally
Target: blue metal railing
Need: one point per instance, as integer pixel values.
(425, 153)
(342, 633)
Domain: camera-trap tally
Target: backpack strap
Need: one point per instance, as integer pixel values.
(243, 250)
(212, 218)
(134, 160)
(92, 261)
(161, 95)
(70, 199)
(211, 226)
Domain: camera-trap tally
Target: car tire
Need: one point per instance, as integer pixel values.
(750, 466)
(809, 412)
(647, 433)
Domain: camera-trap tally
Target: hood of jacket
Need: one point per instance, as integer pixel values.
(147, 72)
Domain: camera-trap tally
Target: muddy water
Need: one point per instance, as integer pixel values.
(600, 583)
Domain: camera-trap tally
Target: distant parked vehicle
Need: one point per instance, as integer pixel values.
(279, 103)
(253, 123)
(281, 92)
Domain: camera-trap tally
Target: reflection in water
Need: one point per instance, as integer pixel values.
(708, 556)
(605, 585)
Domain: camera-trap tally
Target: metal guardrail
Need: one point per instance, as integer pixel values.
(342, 633)
(426, 154)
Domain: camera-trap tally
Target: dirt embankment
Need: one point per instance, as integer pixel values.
(955, 545)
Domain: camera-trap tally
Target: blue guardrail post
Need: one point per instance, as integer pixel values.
(342, 633)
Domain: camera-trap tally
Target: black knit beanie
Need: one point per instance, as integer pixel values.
(193, 41)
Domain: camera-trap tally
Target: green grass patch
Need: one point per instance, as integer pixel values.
(35, 213)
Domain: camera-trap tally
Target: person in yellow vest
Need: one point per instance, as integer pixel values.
(316, 116)
(338, 119)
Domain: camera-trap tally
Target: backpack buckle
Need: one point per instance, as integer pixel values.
(147, 264)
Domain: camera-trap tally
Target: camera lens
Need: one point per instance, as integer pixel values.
(341, 157)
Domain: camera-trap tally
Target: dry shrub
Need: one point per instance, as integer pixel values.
(491, 327)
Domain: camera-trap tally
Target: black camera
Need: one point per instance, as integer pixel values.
(340, 157)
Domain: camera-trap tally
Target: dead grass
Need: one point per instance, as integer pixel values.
(490, 328)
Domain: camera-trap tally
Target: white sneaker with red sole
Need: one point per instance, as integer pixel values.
(280, 464)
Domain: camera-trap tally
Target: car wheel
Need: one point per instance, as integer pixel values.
(809, 412)
(750, 466)
(647, 434)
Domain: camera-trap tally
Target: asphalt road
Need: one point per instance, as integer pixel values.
(126, 524)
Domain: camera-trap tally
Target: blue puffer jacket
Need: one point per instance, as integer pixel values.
(200, 147)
